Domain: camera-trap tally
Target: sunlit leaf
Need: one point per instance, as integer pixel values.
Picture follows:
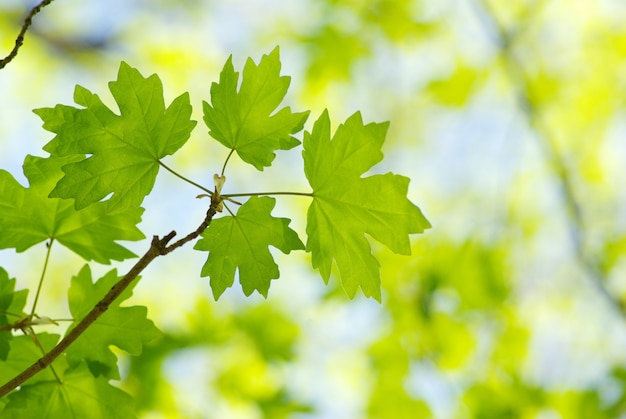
(241, 243)
(127, 328)
(28, 216)
(346, 206)
(80, 395)
(24, 352)
(247, 120)
(11, 309)
(123, 150)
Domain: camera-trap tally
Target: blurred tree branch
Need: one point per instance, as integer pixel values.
(505, 38)
(20, 37)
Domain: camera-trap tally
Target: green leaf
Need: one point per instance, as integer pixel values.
(79, 396)
(247, 121)
(346, 206)
(24, 353)
(11, 309)
(124, 149)
(125, 327)
(28, 216)
(242, 242)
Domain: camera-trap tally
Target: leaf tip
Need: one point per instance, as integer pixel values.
(217, 293)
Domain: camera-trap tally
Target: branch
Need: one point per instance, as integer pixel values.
(20, 37)
(158, 247)
(515, 70)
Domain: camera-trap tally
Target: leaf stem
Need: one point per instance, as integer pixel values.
(229, 210)
(38, 344)
(231, 195)
(178, 175)
(43, 274)
(232, 150)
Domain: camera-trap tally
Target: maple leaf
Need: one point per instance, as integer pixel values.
(80, 395)
(241, 243)
(346, 206)
(246, 121)
(11, 309)
(24, 352)
(124, 149)
(28, 216)
(128, 328)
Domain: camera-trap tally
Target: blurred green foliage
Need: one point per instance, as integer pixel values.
(509, 121)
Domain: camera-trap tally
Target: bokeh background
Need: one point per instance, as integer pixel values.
(508, 116)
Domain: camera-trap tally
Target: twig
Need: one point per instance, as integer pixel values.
(20, 37)
(515, 70)
(158, 247)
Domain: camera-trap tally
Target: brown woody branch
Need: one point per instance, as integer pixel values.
(20, 37)
(158, 247)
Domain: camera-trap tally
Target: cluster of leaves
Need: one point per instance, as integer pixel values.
(87, 195)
